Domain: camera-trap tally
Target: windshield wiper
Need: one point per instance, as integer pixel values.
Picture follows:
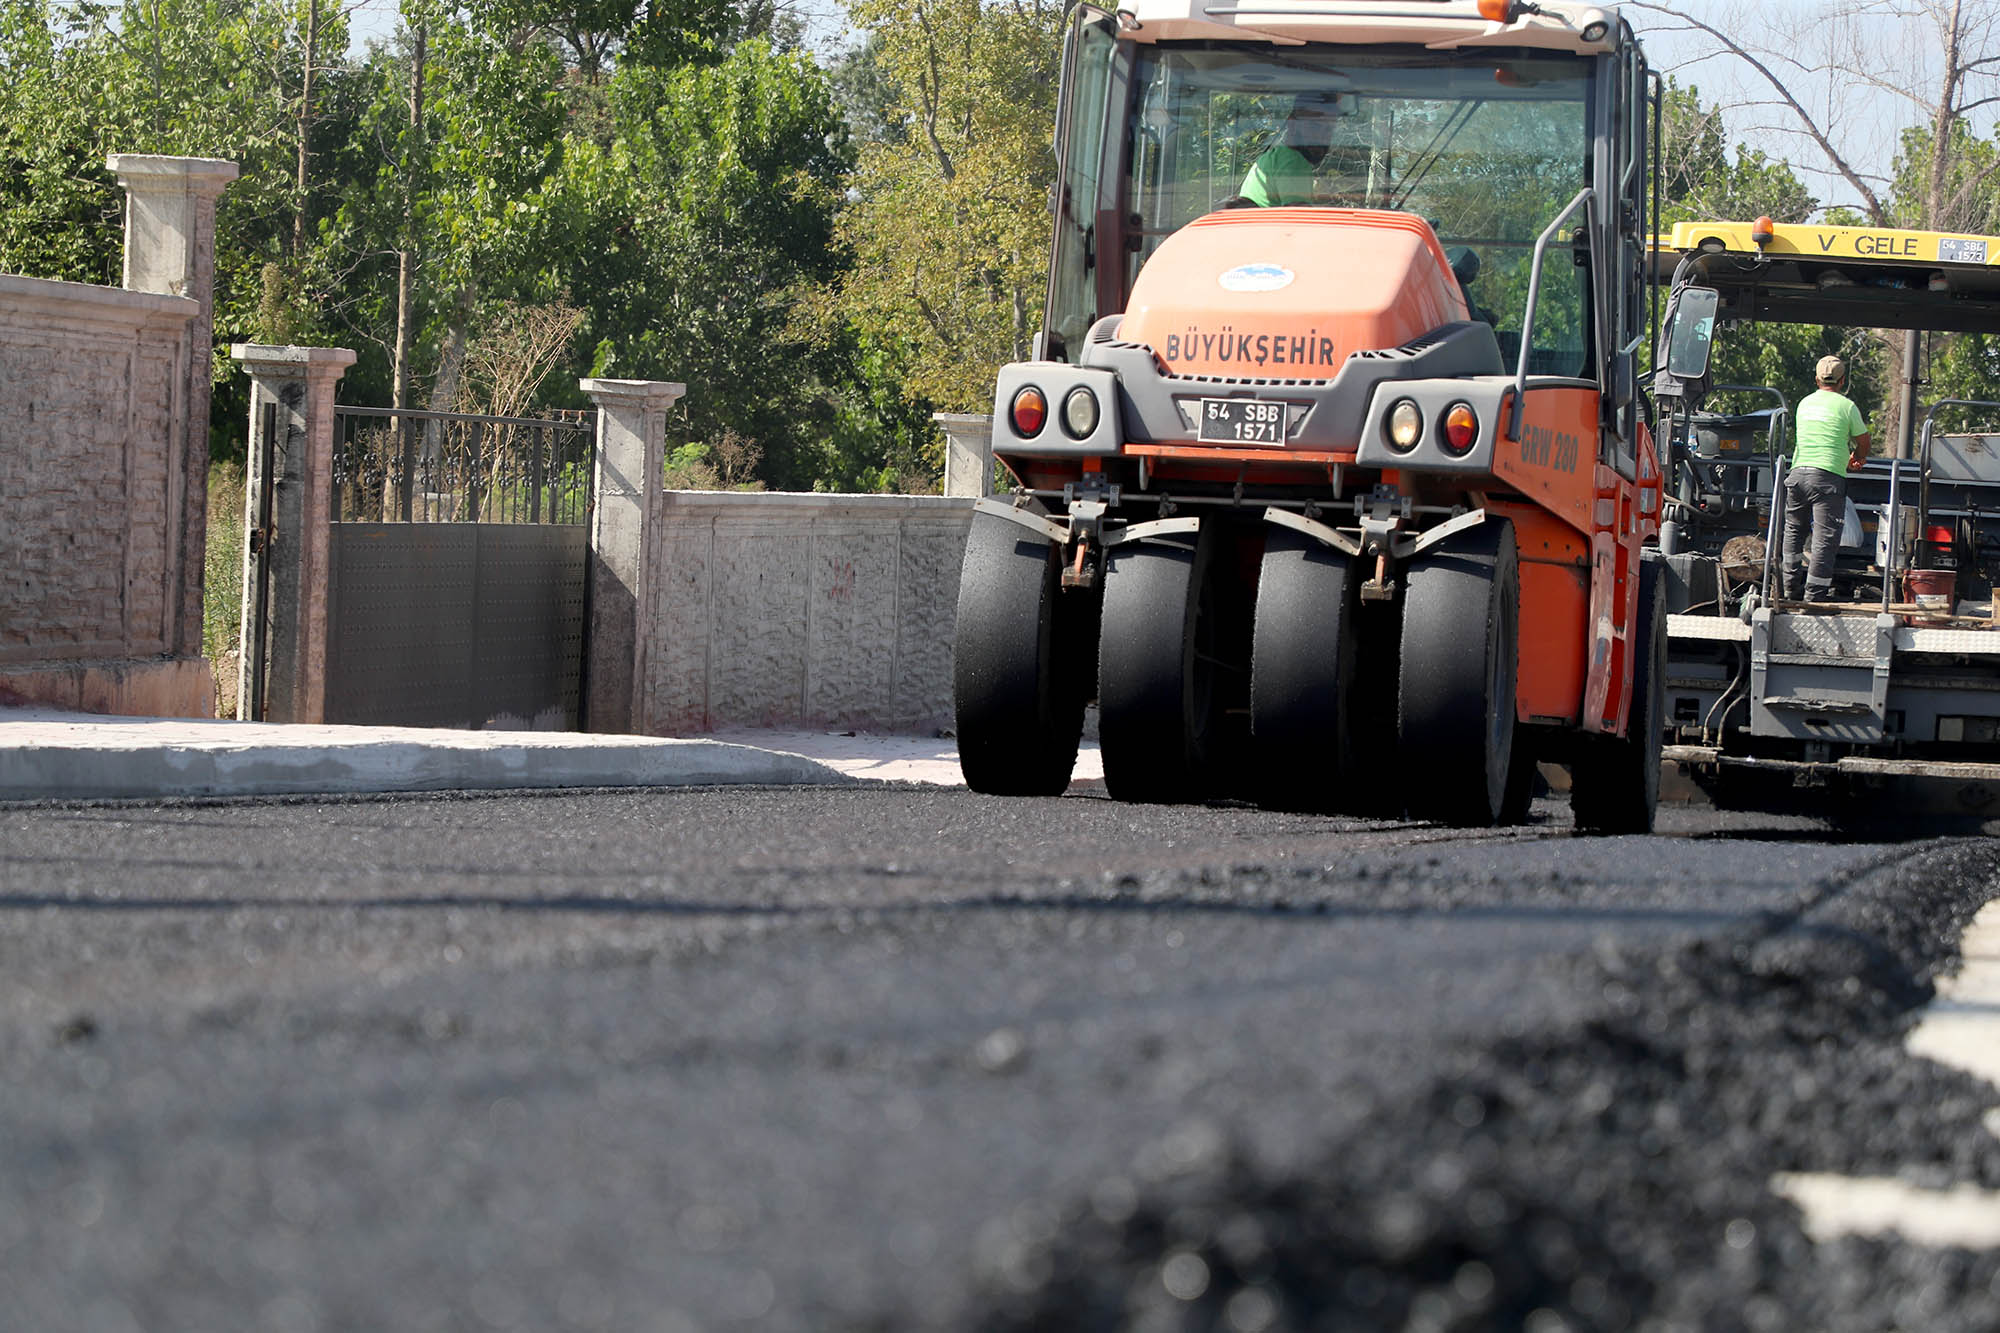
(1434, 150)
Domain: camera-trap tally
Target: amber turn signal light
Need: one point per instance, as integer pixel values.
(1496, 11)
(1030, 411)
(1461, 428)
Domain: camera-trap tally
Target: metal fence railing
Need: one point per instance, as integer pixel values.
(400, 465)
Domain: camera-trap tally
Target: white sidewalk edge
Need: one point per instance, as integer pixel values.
(59, 757)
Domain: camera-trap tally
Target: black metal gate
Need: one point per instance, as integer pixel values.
(458, 563)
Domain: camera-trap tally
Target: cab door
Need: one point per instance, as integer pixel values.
(1083, 279)
(1618, 250)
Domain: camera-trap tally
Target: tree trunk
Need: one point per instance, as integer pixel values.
(1020, 313)
(1942, 120)
(444, 393)
(299, 207)
(451, 352)
(931, 93)
(406, 257)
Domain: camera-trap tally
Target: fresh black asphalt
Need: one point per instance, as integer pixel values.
(913, 1058)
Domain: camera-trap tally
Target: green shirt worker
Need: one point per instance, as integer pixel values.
(1830, 438)
(1283, 174)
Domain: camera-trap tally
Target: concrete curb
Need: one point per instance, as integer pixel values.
(62, 756)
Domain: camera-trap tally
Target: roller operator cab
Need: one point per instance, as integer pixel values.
(1331, 479)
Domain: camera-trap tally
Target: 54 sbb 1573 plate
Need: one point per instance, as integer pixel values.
(1241, 421)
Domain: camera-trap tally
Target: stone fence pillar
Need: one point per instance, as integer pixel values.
(170, 249)
(287, 508)
(968, 453)
(628, 479)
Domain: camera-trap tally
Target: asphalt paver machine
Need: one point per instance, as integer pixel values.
(1342, 502)
(1892, 690)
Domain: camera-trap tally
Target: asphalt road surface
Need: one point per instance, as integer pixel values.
(913, 1058)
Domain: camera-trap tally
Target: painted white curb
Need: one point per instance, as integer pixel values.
(44, 758)
(1835, 1206)
(1961, 1028)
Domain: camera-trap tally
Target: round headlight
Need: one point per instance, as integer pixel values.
(1406, 426)
(1461, 428)
(1030, 411)
(1079, 412)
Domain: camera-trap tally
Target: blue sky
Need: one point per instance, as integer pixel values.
(1815, 48)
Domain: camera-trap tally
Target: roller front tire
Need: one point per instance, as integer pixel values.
(1456, 691)
(1156, 692)
(1018, 689)
(1302, 673)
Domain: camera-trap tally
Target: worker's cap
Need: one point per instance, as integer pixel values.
(1312, 119)
(1323, 104)
(1830, 370)
(1323, 107)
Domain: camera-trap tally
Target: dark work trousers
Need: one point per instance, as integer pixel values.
(1815, 501)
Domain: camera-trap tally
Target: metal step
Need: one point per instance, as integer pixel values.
(1856, 661)
(1858, 707)
(1794, 658)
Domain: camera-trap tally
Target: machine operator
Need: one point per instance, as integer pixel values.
(1284, 173)
(1830, 439)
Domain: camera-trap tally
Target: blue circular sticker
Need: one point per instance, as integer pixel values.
(1256, 278)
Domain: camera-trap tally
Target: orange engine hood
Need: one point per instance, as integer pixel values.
(1289, 293)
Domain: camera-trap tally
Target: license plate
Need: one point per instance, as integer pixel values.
(1241, 421)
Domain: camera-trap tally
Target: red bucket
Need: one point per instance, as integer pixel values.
(1930, 589)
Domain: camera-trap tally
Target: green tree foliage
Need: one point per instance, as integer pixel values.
(1702, 179)
(201, 78)
(673, 170)
(1953, 191)
(460, 187)
(1948, 191)
(711, 208)
(494, 141)
(58, 204)
(950, 224)
(866, 94)
(84, 81)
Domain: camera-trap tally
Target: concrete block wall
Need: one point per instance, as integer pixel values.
(93, 502)
(777, 610)
(103, 463)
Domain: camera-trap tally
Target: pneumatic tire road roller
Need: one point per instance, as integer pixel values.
(1332, 485)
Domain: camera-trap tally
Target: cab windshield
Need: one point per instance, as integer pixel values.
(1487, 146)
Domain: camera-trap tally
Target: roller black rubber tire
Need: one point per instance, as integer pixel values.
(1302, 665)
(1017, 696)
(1155, 691)
(1615, 781)
(1455, 711)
